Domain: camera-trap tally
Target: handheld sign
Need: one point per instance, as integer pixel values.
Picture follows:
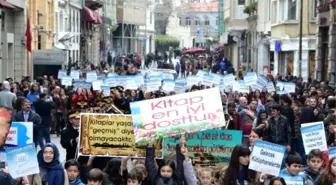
(314, 137)
(292, 180)
(173, 115)
(22, 161)
(332, 152)
(267, 157)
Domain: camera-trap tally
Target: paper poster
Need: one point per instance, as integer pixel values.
(111, 135)
(131, 84)
(66, 81)
(20, 134)
(292, 180)
(61, 74)
(180, 88)
(22, 161)
(267, 157)
(96, 85)
(228, 80)
(289, 87)
(106, 90)
(167, 76)
(270, 87)
(314, 137)
(250, 78)
(206, 80)
(91, 76)
(168, 85)
(192, 80)
(209, 148)
(280, 86)
(332, 152)
(182, 113)
(75, 74)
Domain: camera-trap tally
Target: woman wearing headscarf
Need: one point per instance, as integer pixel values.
(51, 169)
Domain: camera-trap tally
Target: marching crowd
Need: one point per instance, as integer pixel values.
(260, 115)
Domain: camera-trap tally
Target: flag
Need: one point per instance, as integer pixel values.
(28, 36)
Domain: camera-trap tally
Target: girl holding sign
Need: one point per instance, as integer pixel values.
(237, 173)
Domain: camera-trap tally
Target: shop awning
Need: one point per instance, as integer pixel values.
(88, 14)
(6, 4)
(91, 16)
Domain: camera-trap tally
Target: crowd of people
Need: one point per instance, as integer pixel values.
(55, 109)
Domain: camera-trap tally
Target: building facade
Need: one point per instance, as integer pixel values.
(67, 28)
(146, 33)
(326, 41)
(285, 26)
(12, 49)
(130, 16)
(90, 43)
(183, 33)
(202, 19)
(235, 28)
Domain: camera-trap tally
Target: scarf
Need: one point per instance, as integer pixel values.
(54, 169)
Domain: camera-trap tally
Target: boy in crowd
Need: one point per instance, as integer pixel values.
(72, 167)
(314, 168)
(95, 177)
(293, 166)
(134, 177)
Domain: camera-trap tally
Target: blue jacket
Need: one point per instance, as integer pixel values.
(76, 182)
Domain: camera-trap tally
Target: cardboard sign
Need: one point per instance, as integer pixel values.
(182, 113)
(209, 148)
(20, 134)
(314, 137)
(267, 157)
(110, 135)
(22, 161)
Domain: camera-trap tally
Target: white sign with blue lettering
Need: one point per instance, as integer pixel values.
(332, 152)
(314, 137)
(292, 180)
(267, 157)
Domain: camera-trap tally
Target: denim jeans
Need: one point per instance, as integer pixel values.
(44, 134)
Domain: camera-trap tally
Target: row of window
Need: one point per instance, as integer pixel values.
(188, 21)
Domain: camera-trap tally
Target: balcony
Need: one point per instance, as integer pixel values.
(94, 4)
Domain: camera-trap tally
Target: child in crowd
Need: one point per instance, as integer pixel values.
(293, 166)
(72, 168)
(314, 168)
(277, 181)
(205, 176)
(134, 177)
(329, 174)
(95, 177)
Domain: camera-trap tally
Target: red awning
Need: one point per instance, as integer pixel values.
(97, 17)
(6, 4)
(88, 14)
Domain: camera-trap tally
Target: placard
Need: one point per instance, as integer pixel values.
(22, 161)
(267, 157)
(182, 113)
(332, 152)
(61, 73)
(66, 81)
(110, 135)
(91, 76)
(314, 137)
(168, 85)
(20, 134)
(214, 145)
(292, 180)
